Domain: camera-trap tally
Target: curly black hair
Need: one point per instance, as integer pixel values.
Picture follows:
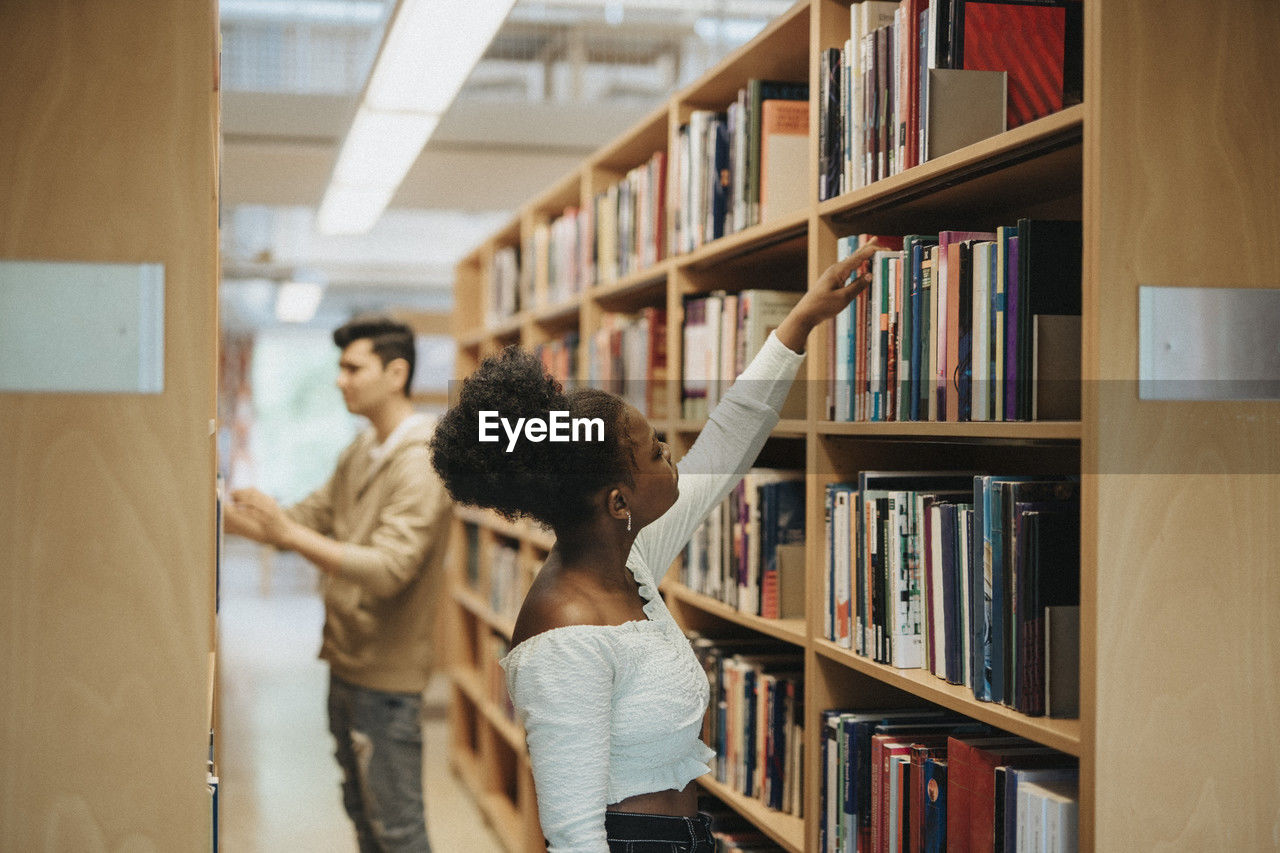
(553, 482)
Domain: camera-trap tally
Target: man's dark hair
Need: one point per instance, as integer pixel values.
(391, 340)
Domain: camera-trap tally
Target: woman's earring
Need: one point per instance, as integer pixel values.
(628, 521)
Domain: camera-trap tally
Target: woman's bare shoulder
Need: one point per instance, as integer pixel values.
(557, 602)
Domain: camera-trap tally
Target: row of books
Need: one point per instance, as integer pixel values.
(559, 357)
(740, 166)
(506, 592)
(955, 573)
(621, 231)
(883, 105)
(749, 552)
(627, 356)
(755, 722)
(629, 234)
(496, 648)
(722, 333)
(504, 285)
(925, 780)
(961, 326)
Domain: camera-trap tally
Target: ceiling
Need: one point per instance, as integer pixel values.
(560, 79)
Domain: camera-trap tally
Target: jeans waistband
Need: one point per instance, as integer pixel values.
(631, 826)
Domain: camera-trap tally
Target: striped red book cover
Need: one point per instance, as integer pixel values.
(1026, 40)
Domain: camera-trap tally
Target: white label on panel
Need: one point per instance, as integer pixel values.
(81, 327)
(1208, 343)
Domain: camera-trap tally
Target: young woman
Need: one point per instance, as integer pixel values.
(605, 683)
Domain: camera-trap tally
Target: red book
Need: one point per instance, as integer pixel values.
(971, 788)
(1026, 41)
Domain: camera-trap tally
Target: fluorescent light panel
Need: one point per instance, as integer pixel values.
(430, 49)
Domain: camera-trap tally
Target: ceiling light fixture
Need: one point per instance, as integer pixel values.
(428, 52)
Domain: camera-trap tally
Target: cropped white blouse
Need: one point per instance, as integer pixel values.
(611, 711)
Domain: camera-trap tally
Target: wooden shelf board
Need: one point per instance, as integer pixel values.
(482, 611)
(787, 630)
(785, 829)
(1045, 153)
(468, 682)
(1064, 735)
(786, 428)
(500, 812)
(565, 313)
(633, 288)
(782, 236)
(971, 430)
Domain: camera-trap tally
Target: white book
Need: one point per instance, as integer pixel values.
(939, 632)
(980, 408)
(907, 643)
(843, 569)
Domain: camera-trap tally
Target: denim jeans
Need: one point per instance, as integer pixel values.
(379, 747)
(628, 832)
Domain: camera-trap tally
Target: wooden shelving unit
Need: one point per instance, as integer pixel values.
(1168, 195)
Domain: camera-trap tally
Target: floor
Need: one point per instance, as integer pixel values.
(278, 780)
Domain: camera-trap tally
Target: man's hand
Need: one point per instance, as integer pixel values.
(259, 517)
(239, 522)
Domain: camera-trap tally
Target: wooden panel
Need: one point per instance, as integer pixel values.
(108, 128)
(1181, 170)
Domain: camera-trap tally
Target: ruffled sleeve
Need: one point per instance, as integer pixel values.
(729, 442)
(561, 683)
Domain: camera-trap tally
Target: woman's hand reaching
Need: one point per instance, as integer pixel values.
(827, 297)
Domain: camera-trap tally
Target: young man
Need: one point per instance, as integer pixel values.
(377, 531)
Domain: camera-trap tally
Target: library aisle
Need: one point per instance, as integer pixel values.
(279, 785)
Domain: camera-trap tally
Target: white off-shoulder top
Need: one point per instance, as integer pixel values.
(611, 711)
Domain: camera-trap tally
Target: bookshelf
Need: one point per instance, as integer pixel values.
(1163, 484)
(107, 555)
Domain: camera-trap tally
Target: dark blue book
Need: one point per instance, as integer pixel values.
(914, 246)
(950, 602)
(935, 806)
(980, 595)
(962, 375)
(722, 186)
(782, 523)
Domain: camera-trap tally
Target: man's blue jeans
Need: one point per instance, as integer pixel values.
(379, 747)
